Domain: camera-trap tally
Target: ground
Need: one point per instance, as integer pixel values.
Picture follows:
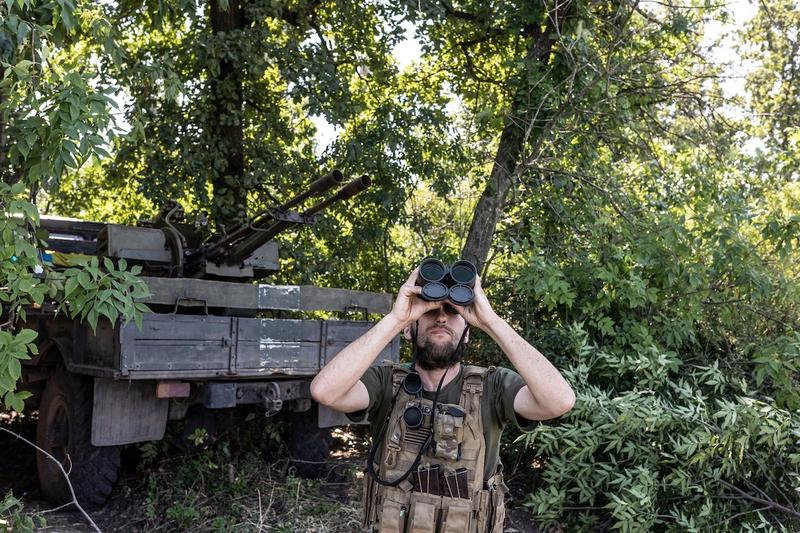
(232, 485)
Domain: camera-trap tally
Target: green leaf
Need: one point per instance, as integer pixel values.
(92, 318)
(14, 369)
(70, 285)
(16, 403)
(85, 280)
(7, 383)
(26, 336)
(112, 313)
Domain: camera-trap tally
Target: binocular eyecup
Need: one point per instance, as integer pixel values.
(439, 282)
(413, 417)
(412, 383)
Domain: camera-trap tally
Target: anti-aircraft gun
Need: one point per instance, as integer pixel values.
(168, 246)
(215, 340)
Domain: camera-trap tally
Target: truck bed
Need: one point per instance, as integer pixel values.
(176, 346)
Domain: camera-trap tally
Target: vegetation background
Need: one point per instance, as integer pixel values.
(635, 219)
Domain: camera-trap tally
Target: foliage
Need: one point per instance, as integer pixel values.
(290, 62)
(54, 116)
(21, 263)
(91, 292)
(92, 193)
(13, 350)
(770, 41)
(12, 517)
(648, 255)
(660, 287)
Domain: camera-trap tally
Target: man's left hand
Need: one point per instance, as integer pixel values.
(480, 313)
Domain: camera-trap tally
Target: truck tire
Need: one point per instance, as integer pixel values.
(309, 445)
(65, 432)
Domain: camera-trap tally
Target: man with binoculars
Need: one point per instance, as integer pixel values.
(436, 424)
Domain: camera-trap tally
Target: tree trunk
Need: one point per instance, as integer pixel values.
(492, 202)
(226, 127)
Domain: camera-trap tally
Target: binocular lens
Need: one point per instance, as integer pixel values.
(434, 291)
(413, 417)
(432, 270)
(463, 272)
(439, 282)
(461, 295)
(412, 383)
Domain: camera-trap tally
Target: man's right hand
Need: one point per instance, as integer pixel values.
(408, 306)
(338, 384)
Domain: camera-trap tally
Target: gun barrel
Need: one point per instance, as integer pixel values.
(251, 243)
(236, 234)
(346, 192)
(317, 187)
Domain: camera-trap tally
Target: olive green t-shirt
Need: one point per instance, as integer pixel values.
(497, 405)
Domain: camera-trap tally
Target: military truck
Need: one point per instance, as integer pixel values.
(215, 339)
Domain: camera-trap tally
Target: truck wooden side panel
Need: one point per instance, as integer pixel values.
(198, 346)
(172, 344)
(186, 291)
(279, 346)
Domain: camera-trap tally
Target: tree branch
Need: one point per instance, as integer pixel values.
(769, 503)
(473, 71)
(462, 15)
(585, 179)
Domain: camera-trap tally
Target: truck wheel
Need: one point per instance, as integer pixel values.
(309, 445)
(65, 432)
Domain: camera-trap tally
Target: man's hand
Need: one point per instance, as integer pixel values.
(480, 313)
(546, 393)
(408, 306)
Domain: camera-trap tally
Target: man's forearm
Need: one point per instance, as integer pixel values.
(339, 375)
(547, 394)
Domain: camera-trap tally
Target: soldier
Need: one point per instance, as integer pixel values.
(436, 425)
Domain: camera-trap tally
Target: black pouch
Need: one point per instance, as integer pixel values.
(456, 484)
(426, 479)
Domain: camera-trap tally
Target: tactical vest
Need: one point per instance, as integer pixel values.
(447, 492)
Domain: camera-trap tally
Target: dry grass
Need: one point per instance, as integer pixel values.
(242, 483)
(232, 487)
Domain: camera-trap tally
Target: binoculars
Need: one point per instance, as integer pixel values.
(439, 282)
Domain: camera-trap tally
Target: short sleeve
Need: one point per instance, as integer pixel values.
(505, 385)
(377, 381)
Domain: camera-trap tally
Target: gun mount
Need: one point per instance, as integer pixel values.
(169, 246)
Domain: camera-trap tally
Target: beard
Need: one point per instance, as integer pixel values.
(434, 356)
